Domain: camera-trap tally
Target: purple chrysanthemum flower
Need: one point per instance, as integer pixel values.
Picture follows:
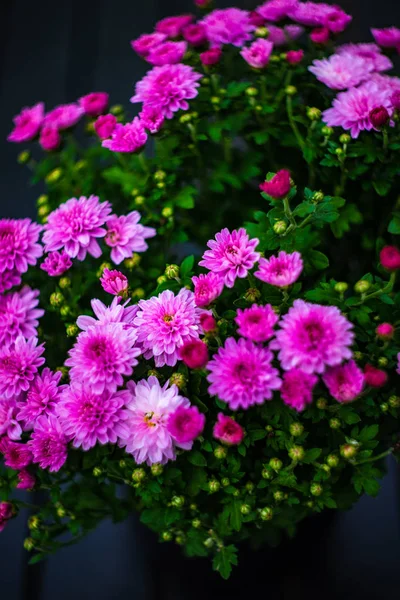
(167, 53)
(344, 382)
(152, 118)
(127, 138)
(228, 26)
(56, 263)
(297, 388)
(64, 116)
(26, 481)
(173, 26)
(241, 374)
(388, 37)
(146, 42)
(280, 36)
(257, 55)
(276, 10)
(117, 312)
(312, 337)
(18, 366)
(41, 398)
(19, 245)
(257, 322)
(48, 443)
(16, 456)
(371, 53)
(207, 288)
(75, 225)
(8, 279)
(126, 235)
(341, 71)
(114, 282)
(320, 15)
(6, 513)
(281, 270)
(19, 315)
(185, 424)
(9, 424)
(27, 124)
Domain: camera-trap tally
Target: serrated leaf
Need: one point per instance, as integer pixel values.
(224, 559)
(197, 459)
(318, 259)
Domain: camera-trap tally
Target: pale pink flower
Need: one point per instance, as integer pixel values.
(228, 431)
(371, 53)
(105, 125)
(18, 366)
(9, 424)
(56, 263)
(257, 55)
(127, 138)
(228, 26)
(345, 382)
(341, 71)
(19, 245)
(94, 104)
(117, 312)
(16, 456)
(320, 15)
(281, 270)
(27, 124)
(64, 116)
(19, 315)
(41, 398)
(207, 288)
(387, 38)
(126, 235)
(173, 26)
(185, 424)
(167, 53)
(146, 42)
(297, 388)
(48, 443)
(50, 138)
(276, 10)
(257, 322)
(152, 118)
(26, 481)
(114, 282)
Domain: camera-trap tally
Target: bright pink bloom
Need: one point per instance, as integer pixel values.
(8, 279)
(386, 82)
(168, 88)
(320, 15)
(395, 99)
(207, 288)
(231, 255)
(18, 366)
(344, 382)
(152, 118)
(280, 36)
(6, 512)
(117, 312)
(297, 388)
(257, 55)
(375, 377)
(27, 124)
(257, 322)
(9, 424)
(102, 356)
(379, 116)
(390, 258)
(147, 437)
(241, 374)
(41, 399)
(127, 138)
(48, 443)
(16, 456)
(75, 225)
(387, 38)
(385, 331)
(50, 138)
(281, 270)
(211, 57)
(228, 26)
(105, 125)
(313, 337)
(294, 57)
(19, 245)
(114, 282)
(64, 116)
(126, 235)
(277, 187)
(88, 418)
(351, 109)
(173, 26)
(146, 42)
(19, 315)
(256, 19)
(165, 323)
(56, 263)
(207, 322)
(202, 3)
(26, 481)
(194, 354)
(276, 10)
(228, 431)
(185, 424)
(398, 364)
(341, 71)
(195, 34)
(167, 53)
(94, 104)
(320, 35)
(371, 53)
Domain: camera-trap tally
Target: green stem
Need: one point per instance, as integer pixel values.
(385, 139)
(227, 150)
(288, 212)
(374, 458)
(292, 122)
(305, 221)
(387, 289)
(143, 162)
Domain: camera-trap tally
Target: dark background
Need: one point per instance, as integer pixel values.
(56, 52)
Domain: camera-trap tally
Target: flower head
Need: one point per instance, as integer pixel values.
(105, 125)
(64, 116)
(281, 270)
(341, 71)
(370, 53)
(9, 424)
(228, 431)
(231, 255)
(27, 124)
(185, 424)
(195, 34)
(8, 279)
(275, 10)
(126, 235)
(146, 42)
(75, 225)
(127, 138)
(257, 55)
(278, 186)
(152, 118)
(379, 116)
(257, 322)
(56, 263)
(375, 377)
(211, 57)
(320, 35)
(320, 15)
(207, 288)
(48, 443)
(395, 100)
(16, 456)
(6, 512)
(26, 481)
(207, 322)
(194, 354)
(387, 38)
(294, 56)
(19, 315)
(114, 282)
(344, 382)
(390, 258)
(312, 337)
(18, 366)
(94, 104)
(50, 138)
(117, 312)
(241, 374)
(280, 36)
(297, 387)
(385, 331)
(41, 399)
(173, 26)
(228, 26)
(19, 245)
(167, 53)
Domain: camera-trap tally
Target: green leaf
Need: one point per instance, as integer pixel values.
(382, 187)
(394, 225)
(196, 458)
(348, 216)
(257, 434)
(368, 433)
(311, 455)
(186, 266)
(318, 259)
(224, 559)
(185, 198)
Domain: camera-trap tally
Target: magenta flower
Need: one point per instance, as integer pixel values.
(50, 138)
(280, 36)
(19, 315)
(194, 354)
(48, 443)
(75, 225)
(26, 481)
(398, 364)
(143, 44)
(168, 88)
(18, 366)
(375, 377)
(102, 356)
(207, 288)
(278, 186)
(207, 322)
(320, 35)
(19, 245)
(147, 437)
(56, 263)
(294, 57)
(231, 255)
(379, 116)
(64, 116)
(167, 53)
(341, 71)
(185, 424)
(88, 418)
(195, 34)
(313, 337)
(16, 456)
(228, 431)
(117, 312)
(276, 10)
(385, 331)
(27, 124)
(257, 55)
(9, 424)
(257, 322)
(94, 104)
(114, 282)
(387, 38)
(173, 26)
(127, 138)
(389, 258)
(211, 57)
(345, 382)
(41, 398)
(395, 100)
(105, 125)
(371, 53)
(297, 388)
(8, 279)
(6, 512)
(152, 118)
(281, 270)
(241, 374)
(228, 26)
(126, 235)
(320, 15)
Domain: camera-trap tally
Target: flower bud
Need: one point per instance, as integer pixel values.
(266, 513)
(348, 451)
(385, 331)
(249, 487)
(245, 509)
(290, 90)
(23, 157)
(383, 361)
(215, 100)
(269, 428)
(162, 279)
(394, 401)
(160, 175)
(362, 286)
(167, 212)
(252, 295)
(220, 452)
(133, 261)
(274, 58)
(326, 468)
(279, 227)
(178, 501)
(279, 496)
(384, 407)
(193, 506)
(345, 138)
(72, 330)
(236, 493)
(379, 116)
(156, 469)
(332, 460)
(267, 473)
(138, 475)
(251, 91)
(53, 176)
(322, 403)
(122, 464)
(335, 423)
(97, 471)
(43, 211)
(140, 200)
(313, 113)
(56, 299)
(296, 429)
(276, 464)
(209, 543)
(341, 287)
(64, 283)
(390, 258)
(196, 523)
(213, 486)
(103, 267)
(327, 131)
(316, 489)
(42, 200)
(160, 185)
(166, 536)
(296, 453)
(138, 293)
(339, 152)
(65, 311)
(116, 109)
(318, 196)
(34, 522)
(29, 544)
(172, 271)
(180, 540)
(225, 482)
(358, 355)
(261, 32)
(178, 379)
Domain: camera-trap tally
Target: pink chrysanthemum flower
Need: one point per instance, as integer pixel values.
(385, 331)
(48, 443)
(146, 42)
(341, 71)
(127, 138)
(126, 235)
(185, 424)
(173, 26)
(398, 364)
(27, 124)
(94, 104)
(320, 15)
(19, 315)
(152, 118)
(228, 431)
(18, 366)
(50, 138)
(276, 10)
(26, 481)
(241, 374)
(371, 53)
(387, 82)
(165, 323)
(207, 322)
(75, 225)
(211, 57)
(8, 279)
(257, 322)
(167, 53)
(231, 255)
(281, 270)
(56, 263)
(312, 337)
(9, 424)
(207, 288)
(294, 57)
(6, 512)
(64, 116)
(344, 382)
(195, 34)
(351, 109)
(168, 88)
(103, 355)
(147, 437)
(228, 26)
(105, 125)
(375, 377)
(117, 312)
(280, 36)
(194, 354)
(19, 245)
(278, 186)
(320, 35)
(387, 38)
(41, 398)
(16, 456)
(88, 418)
(297, 387)
(389, 258)
(114, 282)
(258, 53)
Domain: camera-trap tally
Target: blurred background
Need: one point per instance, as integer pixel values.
(56, 52)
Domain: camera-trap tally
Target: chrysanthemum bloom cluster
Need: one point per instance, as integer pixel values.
(19, 249)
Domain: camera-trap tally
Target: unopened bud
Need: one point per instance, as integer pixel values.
(156, 469)
(345, 138)
(313, 113)
(383, 361)
(348, 451)
(138, 293)
(252, 295)
(339, 152)
(166, 536)
(322, 403)
(133, 261)
(267, 473)
(214, 486)
(180, 540)
(332, 460)
(335, 423)
(250, 487)
(178, 501)
(97, 471)
(276, 464)
(178, 379)
(167, 212)
(225, 482)
(196, 523)
(394, 402)
(72, 330)
(54, 176)
(327, 131)
(43, 211)
(362, 286)
(34, 522)
(160, 175)
(220, 452)
(104, 265)
(245, 509)
(279, 227)
(209, 543)
(296, 453)
(61, 512)
(56, 299)
(140, 200)
(42, 200)
(384, 407)
(296, 429)
(279, 496)
(116, 109)
(266, 513)
(215, 100)
(64, 283)
(316, 489)
(138, 475)
(290, 90)
(341, 287)
(261, 32)
(29, 544)
(23, 157)
(318, 196)
(162, 279)
(172, 271)
(251, 91)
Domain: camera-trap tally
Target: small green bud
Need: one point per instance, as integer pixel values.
(279, 227)
(72, 330)
(43, 211)
(313, 113)
(178, 379)
(215, 100)
(345, 138)
(327, 131)
(29, 544)
(384, 407)
(261, 32)
(236, 493)
(296, 453)
(161, 185)
(341, 287)
(42, 200)
(135, 192)
(394, 402)
(258, 108)
(178, 501)
(64, 283)
(250, 487)
(348, 451)
(162, 279)
(274, 58)
(172, 271)
(186, 118)
(290, 90)
(252, 295)
(34, 522)
(316, 489)
(196, 523)
(266, 513)
(326, 468)
(156, 469)
(195, 114)
(383, 361)
(61, 512)
(166, 536)
(64, 372)
(122, 464)
(318, 196)
(362, 286)
(358, 355)
(296, 429)
(133, 261)
(116, 109)
(138, 293)
(23, 157)
(279, 496)
(322, 403)
(332, 460)
(220, 452)
(267, 473)
(221, 91)
(160, 175)
(180, 540)
(339, 152)
(81, 164)
(245, 509)
(205, 81)
(167, 212)
(276, 464)
(65, 311)
(140, 200)
(335, 423)
(214, 486)
(97, 471)
(138, 475)
(153, 373)
(104, 265)
(225, 482)
(310, 504)
(269, 428)
(252, 91)
(209, 542)
(56, 299)
(53, 176)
